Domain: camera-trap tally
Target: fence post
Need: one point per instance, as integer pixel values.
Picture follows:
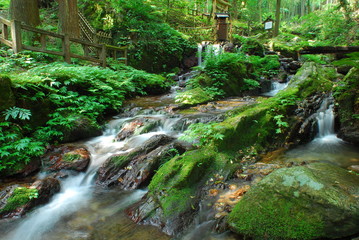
(16, 36)
(103, 55)
(66, 48)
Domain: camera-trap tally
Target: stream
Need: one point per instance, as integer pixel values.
(84, 210)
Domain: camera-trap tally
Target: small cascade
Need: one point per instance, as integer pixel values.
(325, 120)
(199, 54)
(275, 88)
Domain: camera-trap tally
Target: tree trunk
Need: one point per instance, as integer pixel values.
(302, 8)
(69, 18)
(260, 10)
(26, 11)
(277, 19)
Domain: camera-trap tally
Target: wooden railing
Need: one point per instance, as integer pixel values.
(90, 34)
(12, 32)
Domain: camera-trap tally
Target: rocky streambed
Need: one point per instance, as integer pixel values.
(242, 182)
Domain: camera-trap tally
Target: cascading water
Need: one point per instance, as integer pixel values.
(326, 146)
(77, 190)
(275, 88)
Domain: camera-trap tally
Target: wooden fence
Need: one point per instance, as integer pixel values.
(12, 36)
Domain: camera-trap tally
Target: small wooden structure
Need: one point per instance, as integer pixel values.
(11, 35)
(222, 26)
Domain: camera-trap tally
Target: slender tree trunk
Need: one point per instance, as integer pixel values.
(69, 18)
(277, 19)
(302, 8)
(260, 10)
(26, 11)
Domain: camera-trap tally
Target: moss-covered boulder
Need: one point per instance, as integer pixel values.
(192, 97)
(347, 96)
(81, 127)
(7, 98)
(18, 200)
(305, 202)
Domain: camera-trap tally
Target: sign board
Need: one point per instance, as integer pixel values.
(268, 25)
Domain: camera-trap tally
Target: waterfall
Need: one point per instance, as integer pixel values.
(325, 120)
(199, 52)
(275, 88)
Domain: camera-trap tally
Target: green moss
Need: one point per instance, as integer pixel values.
(19, 197)
(176, 183)
(347, 95)
(193, 97)
(7, 99)
(122, 160)
(281, 219)
(70, 157)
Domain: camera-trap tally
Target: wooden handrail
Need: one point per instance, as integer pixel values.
(16, 43)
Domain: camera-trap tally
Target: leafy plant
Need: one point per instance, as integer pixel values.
(17, 113)
(280, 123)
(201, 134)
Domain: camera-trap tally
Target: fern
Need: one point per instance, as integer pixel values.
(17, 113)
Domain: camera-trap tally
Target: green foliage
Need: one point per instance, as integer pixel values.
(202, 134)
(75, 96)
(352, 60)
(15, 149)
(249, 46)
(19, 197)
(321, 59)
(154, 45)
(280, 123)
(17, 113)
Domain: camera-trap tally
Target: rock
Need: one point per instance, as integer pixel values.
(81, 128)
(133, 169)
(347, 95)
(137, 127)
(193, 97)
(305, 202)
(7, 98)
(18, 200)
(354, 168)
(22, 170)
(66, 157)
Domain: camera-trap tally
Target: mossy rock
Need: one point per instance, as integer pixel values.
(82, 127)
(176, 183)
(7, 98)
(347, 96)
(193, 97)
(306, 202)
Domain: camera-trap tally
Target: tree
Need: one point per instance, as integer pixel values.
(26, 11)
(69, 18)
(277, 19)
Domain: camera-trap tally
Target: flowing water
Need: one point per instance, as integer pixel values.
(83, 210)
(275, 88)
(326, 146)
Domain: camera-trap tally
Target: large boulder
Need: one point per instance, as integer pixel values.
(18, 200)
(305, 202)
(7, 98)
(347, 97)
(66, 157)
(132, 169)
(81, 128)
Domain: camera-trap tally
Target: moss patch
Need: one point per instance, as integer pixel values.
(193, 97)
(70, 157)
(19, 197)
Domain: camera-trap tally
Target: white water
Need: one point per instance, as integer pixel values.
(326, 146)
(199, 53)
(76, 191)
(275, 88)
